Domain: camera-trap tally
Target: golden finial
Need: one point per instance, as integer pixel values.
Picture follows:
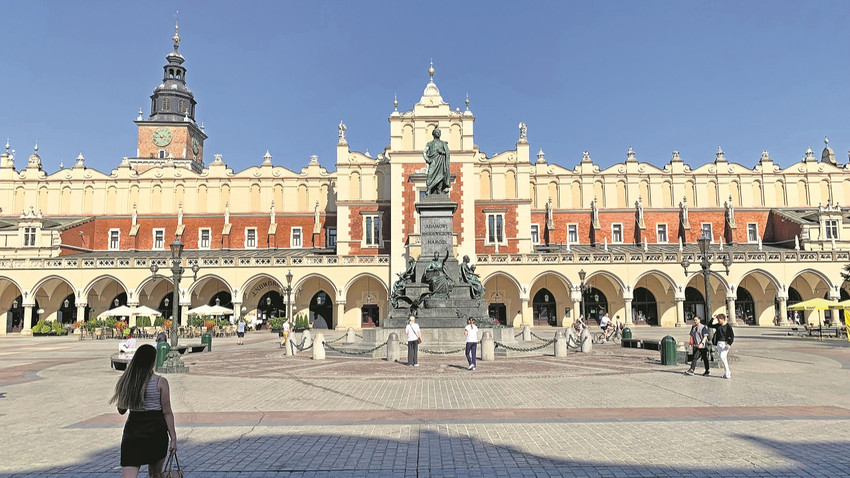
(431, 71)
(176, 36)
(395, 102)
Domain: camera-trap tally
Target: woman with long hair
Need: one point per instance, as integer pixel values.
(151, 421)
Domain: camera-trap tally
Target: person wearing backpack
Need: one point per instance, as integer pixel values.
(699, 341)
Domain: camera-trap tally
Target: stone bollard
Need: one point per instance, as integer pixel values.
(560, 344)
(288, 346)
(488, 346)
(308, 338)
(319, 347)
(572, 337)
(349, 336)
(526, 334)
(393, 353)
(585, 341)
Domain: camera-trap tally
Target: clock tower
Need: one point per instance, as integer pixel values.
(170, 135)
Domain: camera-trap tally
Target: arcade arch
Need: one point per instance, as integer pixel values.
(101, 293)
(11, 306)
(550, 296)
(756, 298)
(503, 300)
(315, 296)
(50, 294)
(365, 301)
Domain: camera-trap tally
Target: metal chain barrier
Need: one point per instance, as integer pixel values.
(345, 352)
(302, 347)
(517, 335)
(537, 337)
(532, 349)
(358, 336)
(335, 340)
(447, 352)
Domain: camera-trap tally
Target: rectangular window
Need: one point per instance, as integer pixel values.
(572, 233)
(616, 232)
(203, 238)
(159, 239)
(372, 229)
(831, 228)
(495, 228)
(707, 232)
(535, 234)
(250, 238)
(661, 233)
(331, 241)
(114, 239)
(752, 232)
(295, 239)
(29, 236)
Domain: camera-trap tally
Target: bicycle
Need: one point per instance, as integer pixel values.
(616, 336)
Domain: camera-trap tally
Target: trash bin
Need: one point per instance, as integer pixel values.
(668, 351)
(207, 339)
(627, 333)
(162, 350)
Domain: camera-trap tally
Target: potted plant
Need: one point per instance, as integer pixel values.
(276, 324)
(41, 328)
(301, 323)
(159, 321)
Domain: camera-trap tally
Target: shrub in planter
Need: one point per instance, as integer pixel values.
(195, 321)
(209, 323)
(57, 328)
(301, 322)
(143, 321)
(223, 323)
(276, 323)
(41, 328)
(159, 321)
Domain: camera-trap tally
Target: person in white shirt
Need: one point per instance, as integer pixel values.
(128, 346)
(240, 331)
(605, 325)
(471, 332)
(413, 338)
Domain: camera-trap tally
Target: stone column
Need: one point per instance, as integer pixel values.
(680, 311)
(525, 313)
(81, 311)
(783, 310)
(628, 312)
(27, 330)
(730, 311)
(340, 314)
(576, 312)
(237, 311)
(184, 314)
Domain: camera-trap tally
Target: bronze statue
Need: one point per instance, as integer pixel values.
(439, 283)
(436, 154)
(404, 278)
(468, 275)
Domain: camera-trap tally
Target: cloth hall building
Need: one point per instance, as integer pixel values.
(77, 242)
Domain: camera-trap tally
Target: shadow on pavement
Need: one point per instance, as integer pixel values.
(432, 454)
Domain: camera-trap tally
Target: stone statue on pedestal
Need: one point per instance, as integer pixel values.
(404, 278)
(436, 154)
(468, 275)
(439, 283)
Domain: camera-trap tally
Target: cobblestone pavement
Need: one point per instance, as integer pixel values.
(248, 411)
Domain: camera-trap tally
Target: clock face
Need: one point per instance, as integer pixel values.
(196, 145)
(162, 137)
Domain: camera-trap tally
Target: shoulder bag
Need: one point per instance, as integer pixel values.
(172, 467)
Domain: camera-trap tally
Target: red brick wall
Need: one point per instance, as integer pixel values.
(510, 225)
(778, 229)
(355, 221)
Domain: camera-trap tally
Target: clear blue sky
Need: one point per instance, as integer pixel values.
(597, 76)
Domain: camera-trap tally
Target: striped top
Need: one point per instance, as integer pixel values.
(152, 401)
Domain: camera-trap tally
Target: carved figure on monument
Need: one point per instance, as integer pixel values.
(523, 131)
(550, 219)
(404, 278)
(468, 275)
(683, 206)
(594, 211)
(639, 207)
(436, 154)
(439, 283)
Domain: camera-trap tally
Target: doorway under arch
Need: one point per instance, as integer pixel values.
(498, 313)
(745, 307)
(270, 305)
(694, 304)
(321, 311)
(544, 309)
(597, 304)
(644, 306)
(67, 313)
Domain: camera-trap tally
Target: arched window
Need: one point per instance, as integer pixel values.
(166, 104)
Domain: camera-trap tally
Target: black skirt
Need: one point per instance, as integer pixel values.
(145, 439)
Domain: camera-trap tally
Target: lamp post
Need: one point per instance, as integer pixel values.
(288, 294)
(173, 363)
(704, 264)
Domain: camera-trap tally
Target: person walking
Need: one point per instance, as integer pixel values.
(699, 341)
(414, 336)
(240, 331)
(150, 424)
(723, 338)
(471, 332)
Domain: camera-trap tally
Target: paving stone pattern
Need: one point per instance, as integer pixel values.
(251, 412)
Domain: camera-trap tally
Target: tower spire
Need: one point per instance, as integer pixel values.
(176, 36)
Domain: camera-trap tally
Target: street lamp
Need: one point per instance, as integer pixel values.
(288, 293)
(705, 265)
(173, 363)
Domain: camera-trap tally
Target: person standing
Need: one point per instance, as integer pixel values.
(151, 422)
(699, 340)
(471, 332)
(414, 336)
(723, 338)
(605, 325)
(240, 331)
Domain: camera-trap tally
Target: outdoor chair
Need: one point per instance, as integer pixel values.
(98, 333)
